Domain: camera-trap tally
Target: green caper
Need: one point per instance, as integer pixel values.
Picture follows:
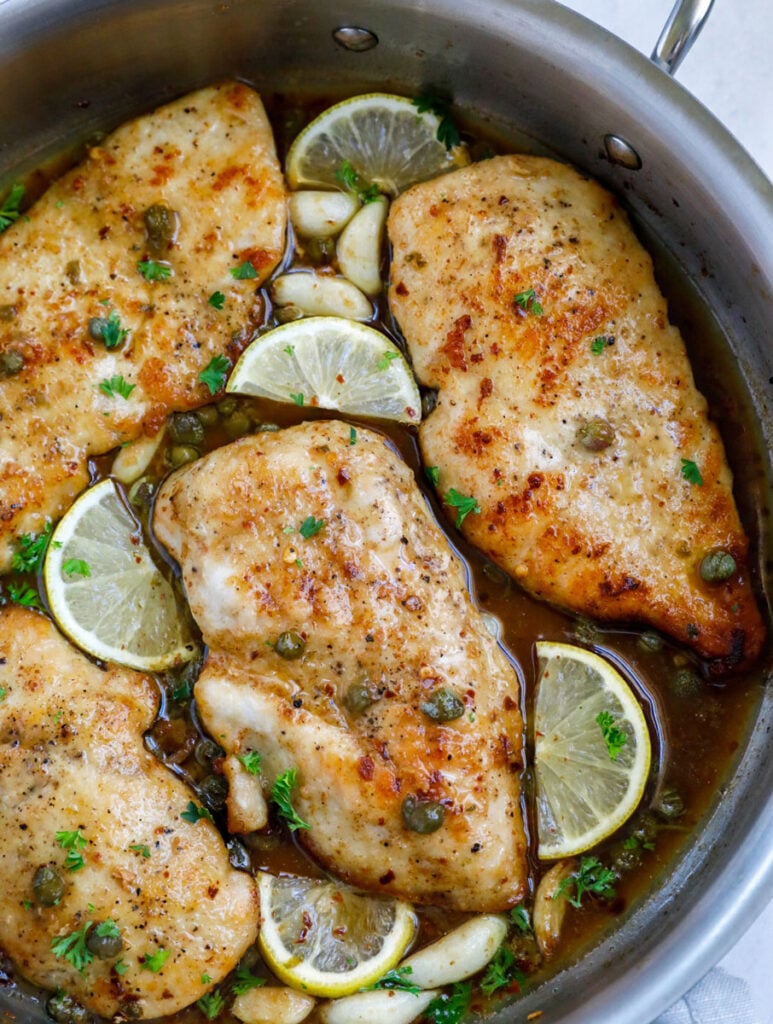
(290, 645)
(11, 363)
(141, 493)
(428, 401)
(443, 706)
(650, 642)
(717, 566)
(646, 829)
(359, 697)
(64, 1010)
(625, 856)
(104, 940)
(207, 751)
(237, 424)
(228, 406)
(267, 428)
(285, 314)
(208, 415)
(8, 312)
(74, 272)
(181, 454)
(686, 683)
(48, 886)
(587, 632)
(213, 790)
(422, 816)
(186, 428)
(97, 327)
(162, 226)
(595, 435)
(669, 803)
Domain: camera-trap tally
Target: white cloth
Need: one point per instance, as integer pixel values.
(719, 998)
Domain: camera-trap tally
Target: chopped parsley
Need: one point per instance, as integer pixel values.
(310, 527)
(352, 182)
(212, 1004)
(215, 373)
(592, 877)
(140, 848)
(30, 549)
(114, 386)
(244, 272)
(216, 300)
(3, 693)
(155, 961)
(76, 567)
(27, 597)
(432, 473)
(519, 915)
(399, 978)
(73, 948)
(153, 270)
(352, 435)
(108, 329)
(691, 473)
(298, 399)
(500, 972)
(281, 793)
(462, 503)
(289, 350)
(385, 359)
(120, 967)
(9, 211)
(449, 1008)
(108, 929)
(244, 980)
(447, 132)
(73, 842)
(194, 813)
(614, 738)
(599, 344)
(252, 762)
(528, 302)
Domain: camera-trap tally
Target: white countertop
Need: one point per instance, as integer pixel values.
(730, 70)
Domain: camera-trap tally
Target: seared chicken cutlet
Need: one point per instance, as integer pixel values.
(392, 701)
(80, 796)
(105, 318)
(566, 405)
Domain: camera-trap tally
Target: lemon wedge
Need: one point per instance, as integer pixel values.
(383, 138)
(325, 939)
(332, 363)
(104, 590)
(592, 750)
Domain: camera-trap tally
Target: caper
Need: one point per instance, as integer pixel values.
(645, 830)
(186, 428)
(267, 428)
(595, 435)
(238, 424)
(8, 312)
(290, 645)
(650, 642)
(422, 816)
(104, 941)
(48, 886)
(141, 493)
(11, 363)
(669, 803)
(359, 697)
(162, 226)
(207, 751)
(213, 790)
(74, 272)
(285, 314)
(238, 855)
(686, 683)
(625, 856)
(227, 406)
(443, 706)
(182, 454)
(64, 1010)
(717, 566)
(320, 250)
(428, 401)
(587, 632)
(208, 415)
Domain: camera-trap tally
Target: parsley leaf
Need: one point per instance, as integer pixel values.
(500, 972)
(108, 929)
(114, 386)
(245, 980)
(73, 948)
(76, 567)
(310, 527)
(108, 329)
(155, 961)
(462, 503)
(281, 793)
(399, 978)
(450, 1008)
(212, 1004)
(30, 549)
(215, 373)
(216, 300)
(73, 842)
(9, 211)
(519, 915)
(385, 359)
(140, 848)
(691, 473)
(432, 473)
(599, 344)
(592, 877)
(3, 693)
(528, 302)
(153, 270)
(120, 968)
(352, 435)
(614, 738)
(251, 761)
(352, 182)
(298, 399)
(27, 597)
(447, 132)
(194, 813)
(244, 272)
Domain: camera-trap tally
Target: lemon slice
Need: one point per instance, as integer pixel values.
(104, 590)
(384, 138)
(584, 793)
(331, 363)
(325, 939)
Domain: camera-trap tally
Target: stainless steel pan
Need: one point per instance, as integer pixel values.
(71, 67)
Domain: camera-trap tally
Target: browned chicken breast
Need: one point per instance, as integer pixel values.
(183, 195)
(566, 405)
(95, 853)
(346, 647)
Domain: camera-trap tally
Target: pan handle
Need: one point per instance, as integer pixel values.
(681, 30)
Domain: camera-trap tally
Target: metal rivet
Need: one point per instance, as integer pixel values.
(621, 152)
(356, 39)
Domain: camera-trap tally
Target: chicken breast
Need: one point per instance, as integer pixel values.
(398, 710)
(77, 784)
(566, 406)
(194, 191)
